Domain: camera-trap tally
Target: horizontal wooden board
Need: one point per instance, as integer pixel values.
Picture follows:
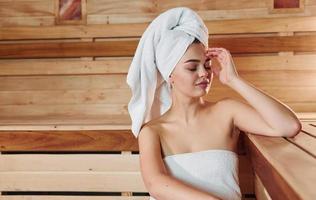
(121, 65)
(220, 26)
(276, 79)
(35, 21)
(306, 117)
(112, 122)
(235, 45)
(63, 122)
(302, 107)
(77, 197)
(62, 67)
(63, 110)
(93, 164)
(119, 7)
(26, 8)
(123, 96)
(69, 162)
(72, 181)
(69, 97)
(84, 82)
(80, 163)
(82, 140)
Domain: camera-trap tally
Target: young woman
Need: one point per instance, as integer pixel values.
(188, 152)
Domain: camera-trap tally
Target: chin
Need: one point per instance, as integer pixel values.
(200, 93)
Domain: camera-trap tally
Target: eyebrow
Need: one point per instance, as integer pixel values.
(192, 60)
(196, 60)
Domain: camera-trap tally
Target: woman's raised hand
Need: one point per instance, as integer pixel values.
(222, 64)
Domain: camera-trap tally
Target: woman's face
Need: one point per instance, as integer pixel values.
(192, 68)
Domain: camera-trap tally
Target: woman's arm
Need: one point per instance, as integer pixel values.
(157, 180)
(266, 115)
(168, 188)
(277, 115)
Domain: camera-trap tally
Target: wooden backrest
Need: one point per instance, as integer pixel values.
(88, 73)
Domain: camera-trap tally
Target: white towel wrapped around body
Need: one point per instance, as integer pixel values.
(160, 48)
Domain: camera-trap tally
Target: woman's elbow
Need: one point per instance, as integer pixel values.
(152, 186)
(295, 130)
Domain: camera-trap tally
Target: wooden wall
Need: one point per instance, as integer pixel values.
(42, 12)
(63, 87)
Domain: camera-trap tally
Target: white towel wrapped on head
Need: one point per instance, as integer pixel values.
(160, 48)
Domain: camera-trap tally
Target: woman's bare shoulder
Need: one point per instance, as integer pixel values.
(219, 107)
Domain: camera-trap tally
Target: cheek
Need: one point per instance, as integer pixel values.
(186, 78)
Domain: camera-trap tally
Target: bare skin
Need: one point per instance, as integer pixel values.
(193, 124)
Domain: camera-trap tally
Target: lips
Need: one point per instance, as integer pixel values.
(203, 83)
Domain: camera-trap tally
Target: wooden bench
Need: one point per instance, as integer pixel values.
(285, 167)
(63, 102)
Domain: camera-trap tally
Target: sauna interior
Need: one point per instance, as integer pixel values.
(64, 124)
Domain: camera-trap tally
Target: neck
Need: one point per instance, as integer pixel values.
(185, 109)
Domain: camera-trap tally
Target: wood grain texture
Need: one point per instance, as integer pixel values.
(104, 30)
(271, 158)
(127, 48)
(85, 140)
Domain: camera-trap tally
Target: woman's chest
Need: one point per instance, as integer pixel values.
(216, 134)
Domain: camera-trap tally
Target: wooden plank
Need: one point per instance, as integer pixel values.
(284, 94)
(121, 65)
(69, 162)
(72, 124)
(306, 116)
(212, 5)
(302, 107)
(306, 142)
(260, 190)
(308, 128)
(118, 7)
(72, 181)
(105, 96)
(266, 44)
(245, 175)
(77, 197)
(68, 49)
(65, 82)
(122, 96)
(35, 21)
(97, 165)
(85, 140)
(26, 8)
(63, 122)
(84, 162)
(271, 158)
(281, 79)
(63, 110)
(86, 113)
(62, 67)
(127, 48)
(252, 25)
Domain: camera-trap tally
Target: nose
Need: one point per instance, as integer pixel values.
(203, 72)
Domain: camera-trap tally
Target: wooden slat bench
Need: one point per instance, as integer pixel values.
(97, 162)
(285, 167)
(64, 125)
